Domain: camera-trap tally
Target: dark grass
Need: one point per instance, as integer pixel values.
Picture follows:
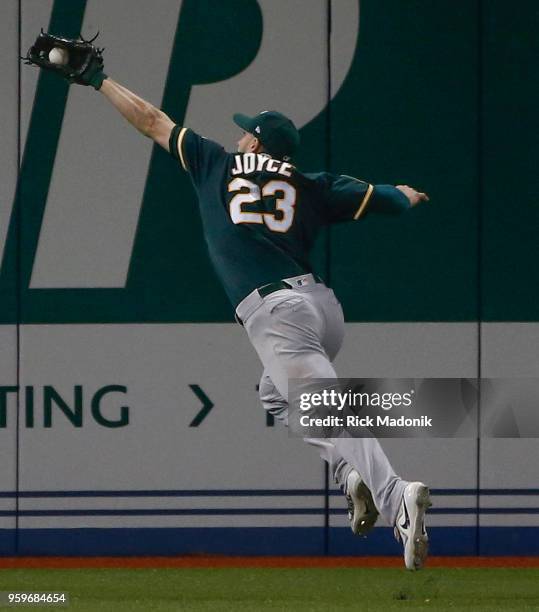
(284, 589)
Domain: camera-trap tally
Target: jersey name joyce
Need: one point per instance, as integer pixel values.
(250, 162)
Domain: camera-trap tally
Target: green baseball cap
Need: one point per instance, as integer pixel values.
(277, 133)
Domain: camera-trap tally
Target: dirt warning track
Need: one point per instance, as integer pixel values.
(255, 562)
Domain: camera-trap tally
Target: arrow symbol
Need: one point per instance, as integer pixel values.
(207, 405)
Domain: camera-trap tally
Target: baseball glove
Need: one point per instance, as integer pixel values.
(77, 60)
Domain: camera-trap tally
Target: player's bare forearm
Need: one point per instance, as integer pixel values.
(143, 115)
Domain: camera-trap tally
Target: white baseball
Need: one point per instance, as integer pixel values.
(58, 56)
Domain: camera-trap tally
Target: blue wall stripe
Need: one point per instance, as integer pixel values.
(238, 492)
(236, 511)
(262, 541)
(170, 493)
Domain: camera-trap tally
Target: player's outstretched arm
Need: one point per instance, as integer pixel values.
(350, 198)
(143, 115)
(80, 61)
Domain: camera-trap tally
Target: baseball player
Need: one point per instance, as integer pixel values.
(260, 217)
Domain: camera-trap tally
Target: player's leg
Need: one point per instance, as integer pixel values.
(276, 405)
(403, 504)
(287, 332)
(362, 511)
(352, 461)
(272, 401)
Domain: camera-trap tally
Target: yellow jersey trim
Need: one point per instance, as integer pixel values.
(181, 136)
(364, 202)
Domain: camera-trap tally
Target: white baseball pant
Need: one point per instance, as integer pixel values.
(297, 333)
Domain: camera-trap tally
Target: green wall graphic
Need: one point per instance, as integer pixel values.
(421, 104)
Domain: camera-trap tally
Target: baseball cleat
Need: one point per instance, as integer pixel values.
(410, 524)
(362, 512)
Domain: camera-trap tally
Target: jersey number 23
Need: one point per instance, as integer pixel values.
(249, 193)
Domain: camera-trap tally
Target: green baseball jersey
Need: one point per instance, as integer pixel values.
(261, 215)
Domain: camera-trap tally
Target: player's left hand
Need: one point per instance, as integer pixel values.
(414, 196)
(76, 60)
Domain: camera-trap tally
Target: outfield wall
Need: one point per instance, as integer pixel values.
(129, 418)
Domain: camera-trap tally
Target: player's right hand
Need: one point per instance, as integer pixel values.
(414, 196)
